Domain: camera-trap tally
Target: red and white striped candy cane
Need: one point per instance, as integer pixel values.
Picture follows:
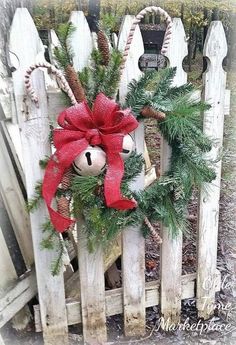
(137, 19)
(60, 78)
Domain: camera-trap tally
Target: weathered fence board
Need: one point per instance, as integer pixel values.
(81, 40)
(132, 70)
(16, 296)
(92, 291)
(91, 265)
(133, 245)
(35, 143)
(214, 82)
(171, 249)
(14, 201)
(7, 270)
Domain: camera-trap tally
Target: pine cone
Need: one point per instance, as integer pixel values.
(103, 46)
(148, 111)
(66, 179)
(75, 84)
(63, 206)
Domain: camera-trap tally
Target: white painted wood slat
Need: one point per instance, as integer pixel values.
(171, 248)
(91, 265)
(92, 290)
(81, 40)
(15, 203)
(35, 142)
(214, 84)
(16, 296)
(133, 245)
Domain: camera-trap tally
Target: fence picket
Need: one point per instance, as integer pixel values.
(92, 291)
(35, 143)
(132, 70)
(214, 83)
(171, 249)
(14, 201)
(81, 40)
(91, 265)
(7, 270)
(133, 245)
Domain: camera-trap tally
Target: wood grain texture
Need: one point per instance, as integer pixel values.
(114, 299)
(34, 134)
(92, 290)
(133, 244)
(16, 296)
(14, 202)
(214, 82)
(171, 249)
(133, 262)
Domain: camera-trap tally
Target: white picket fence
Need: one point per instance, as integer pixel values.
(26, 129)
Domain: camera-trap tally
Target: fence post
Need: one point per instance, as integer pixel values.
(35, 142)
(171, 249)
(214, 84)
(133, 256)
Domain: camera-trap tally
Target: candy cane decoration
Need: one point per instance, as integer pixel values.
(59, 76)
(137, 19)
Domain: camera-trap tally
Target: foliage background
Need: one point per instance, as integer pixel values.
(196, 16)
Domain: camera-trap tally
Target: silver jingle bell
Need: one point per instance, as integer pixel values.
(91, 162)
(128, 146)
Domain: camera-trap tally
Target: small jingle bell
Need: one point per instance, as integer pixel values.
(91, 162)
(128, 146)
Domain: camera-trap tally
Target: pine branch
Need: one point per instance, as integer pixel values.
(63, 54)
(33, 203)
(133, 167)
(53, 241)
(43, 162)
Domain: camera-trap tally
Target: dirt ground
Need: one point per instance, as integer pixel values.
(226, 258)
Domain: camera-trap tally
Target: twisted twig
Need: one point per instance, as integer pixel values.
(60, 77)
(137, 19)
(153, 232)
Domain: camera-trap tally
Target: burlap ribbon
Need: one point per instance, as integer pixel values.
(105, 126)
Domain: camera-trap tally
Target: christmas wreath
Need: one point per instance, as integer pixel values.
(95, 161)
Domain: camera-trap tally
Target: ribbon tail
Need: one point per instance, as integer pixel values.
(53, 176)
(112, 183)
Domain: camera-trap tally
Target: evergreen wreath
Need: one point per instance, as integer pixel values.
(179, 120)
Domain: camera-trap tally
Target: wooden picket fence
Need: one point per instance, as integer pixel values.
(24, 141)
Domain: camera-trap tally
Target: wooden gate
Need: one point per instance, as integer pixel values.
(24, 141)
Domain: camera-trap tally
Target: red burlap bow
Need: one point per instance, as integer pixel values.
(105, 126)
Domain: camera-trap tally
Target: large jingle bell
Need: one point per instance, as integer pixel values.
(91, 162)
(128, 146)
